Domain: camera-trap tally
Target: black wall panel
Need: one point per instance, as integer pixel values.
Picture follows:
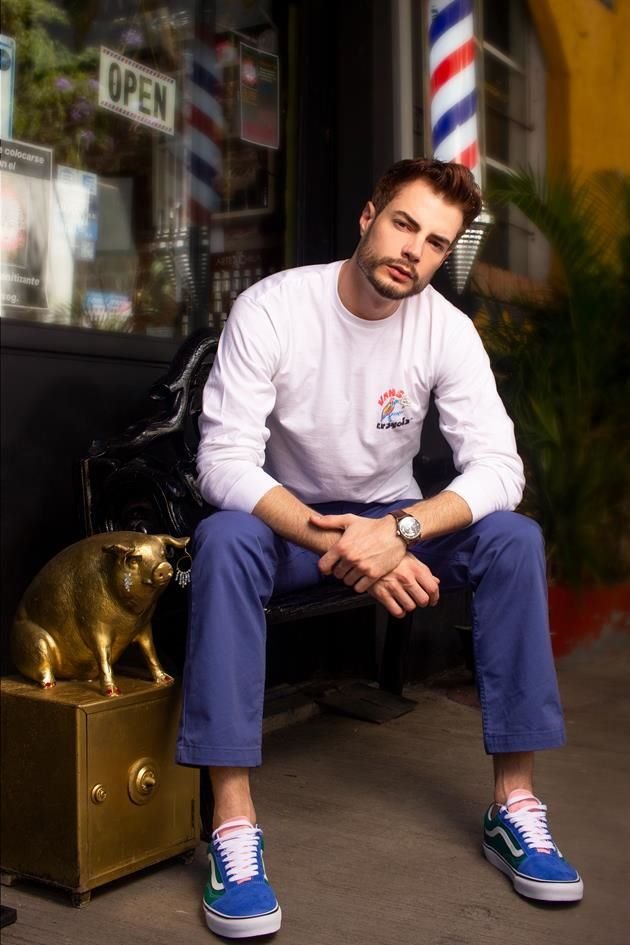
(61, 388)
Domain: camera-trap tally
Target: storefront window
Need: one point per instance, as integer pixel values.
(514, 120)
(141, 174)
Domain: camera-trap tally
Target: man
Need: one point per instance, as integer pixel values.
(311, 418)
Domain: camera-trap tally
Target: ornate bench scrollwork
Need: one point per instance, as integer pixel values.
(145, 479)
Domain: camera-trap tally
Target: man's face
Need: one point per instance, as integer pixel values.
(403, 246)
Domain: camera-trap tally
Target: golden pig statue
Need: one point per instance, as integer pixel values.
(88, 604)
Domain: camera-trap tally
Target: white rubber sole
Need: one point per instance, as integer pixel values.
(535, 889)
(265, 924)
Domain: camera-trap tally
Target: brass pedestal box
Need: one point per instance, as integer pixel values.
(90, 791)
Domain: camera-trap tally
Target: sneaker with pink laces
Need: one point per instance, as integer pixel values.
(518, 842)
(238, 901)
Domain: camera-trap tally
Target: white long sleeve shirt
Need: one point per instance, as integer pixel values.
(305, 394)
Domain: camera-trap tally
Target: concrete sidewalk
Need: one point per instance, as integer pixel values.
(373, 833)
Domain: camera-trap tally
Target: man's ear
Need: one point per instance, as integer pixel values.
(367, 217)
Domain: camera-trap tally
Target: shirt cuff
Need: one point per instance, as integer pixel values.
(485, 492)
(246, 490)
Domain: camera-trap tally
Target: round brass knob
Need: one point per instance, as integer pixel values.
(143, 779)
(98, 794)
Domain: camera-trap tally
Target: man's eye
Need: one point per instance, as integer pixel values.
(401, 224)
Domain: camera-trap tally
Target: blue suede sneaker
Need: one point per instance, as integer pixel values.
(519, 843)
(238, 901)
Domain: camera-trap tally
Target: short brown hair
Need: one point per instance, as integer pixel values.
(454, 182)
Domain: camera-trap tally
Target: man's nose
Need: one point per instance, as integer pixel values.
(412, 251)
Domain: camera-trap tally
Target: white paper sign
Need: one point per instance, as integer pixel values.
(25, 175)
(136, 91)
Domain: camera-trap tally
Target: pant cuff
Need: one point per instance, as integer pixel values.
(528, 741)
(202, 756)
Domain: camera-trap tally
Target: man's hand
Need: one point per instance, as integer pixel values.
(409, 585)
(368, 549)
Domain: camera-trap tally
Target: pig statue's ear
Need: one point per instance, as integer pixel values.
(120, 551)
(175, 542)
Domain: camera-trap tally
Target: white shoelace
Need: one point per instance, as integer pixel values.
(532, 822)
(238, 851)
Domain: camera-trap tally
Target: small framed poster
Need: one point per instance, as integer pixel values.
(260, 97)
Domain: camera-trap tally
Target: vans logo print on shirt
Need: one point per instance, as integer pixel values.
(393, 403)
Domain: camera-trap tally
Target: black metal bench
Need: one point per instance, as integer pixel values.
(145, 480)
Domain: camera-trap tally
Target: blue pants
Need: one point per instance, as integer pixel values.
(238, 562)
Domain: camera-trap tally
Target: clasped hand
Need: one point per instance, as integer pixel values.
(369, 556)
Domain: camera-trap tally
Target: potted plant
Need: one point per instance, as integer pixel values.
(561, 359)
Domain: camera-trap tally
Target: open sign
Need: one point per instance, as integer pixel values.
(136, 91)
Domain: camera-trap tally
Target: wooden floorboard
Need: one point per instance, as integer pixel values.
(373, 834)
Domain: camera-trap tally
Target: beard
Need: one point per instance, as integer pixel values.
(369, 263)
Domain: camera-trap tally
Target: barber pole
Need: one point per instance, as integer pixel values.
(454, 112)
(453, 89)
(202, 133)
(204, 123)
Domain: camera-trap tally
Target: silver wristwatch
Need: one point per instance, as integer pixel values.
(407, 527)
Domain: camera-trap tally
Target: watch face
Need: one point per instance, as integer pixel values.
(409, 528)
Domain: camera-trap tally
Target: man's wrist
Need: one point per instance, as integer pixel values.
(408, 528)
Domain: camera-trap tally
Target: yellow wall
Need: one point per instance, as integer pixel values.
(587, 51)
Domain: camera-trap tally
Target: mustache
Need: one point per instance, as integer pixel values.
(398, 264)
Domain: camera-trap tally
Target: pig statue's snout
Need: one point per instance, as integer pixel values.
(162, 573)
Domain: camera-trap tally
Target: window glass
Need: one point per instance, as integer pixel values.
(142, 165)
(504, 27)
(509, 238)
(513, 123)
(506, 110)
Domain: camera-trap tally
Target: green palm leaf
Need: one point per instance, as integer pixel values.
(562, 369)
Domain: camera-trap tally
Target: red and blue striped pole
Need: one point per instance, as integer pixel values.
(204, 119)
(454, 114)
(202, 140)
(453, 86)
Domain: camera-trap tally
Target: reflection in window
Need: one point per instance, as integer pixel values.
(514, 118)
(145, 192)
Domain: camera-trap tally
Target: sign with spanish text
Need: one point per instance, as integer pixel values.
(25, 187)
(260, 97)
(136, 92)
